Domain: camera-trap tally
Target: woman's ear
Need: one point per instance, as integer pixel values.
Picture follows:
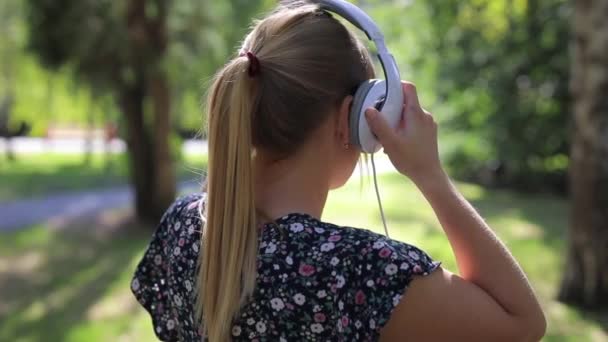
(343, 119)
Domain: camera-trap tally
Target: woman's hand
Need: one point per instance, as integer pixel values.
(501, 305)
(412, 147)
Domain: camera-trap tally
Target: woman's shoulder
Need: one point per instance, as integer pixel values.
(359, 244)
(364, 273)
(164, 279)
(184, 208)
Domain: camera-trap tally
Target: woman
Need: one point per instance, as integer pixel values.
(267, 267)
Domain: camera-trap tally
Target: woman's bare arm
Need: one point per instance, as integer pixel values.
(491, 300)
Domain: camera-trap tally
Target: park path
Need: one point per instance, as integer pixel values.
(24, 213)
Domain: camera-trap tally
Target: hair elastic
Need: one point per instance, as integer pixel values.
(254, 63)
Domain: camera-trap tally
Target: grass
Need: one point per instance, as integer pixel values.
(72, 283)
(37, 175)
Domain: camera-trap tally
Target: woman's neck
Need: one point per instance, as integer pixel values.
(296, 185)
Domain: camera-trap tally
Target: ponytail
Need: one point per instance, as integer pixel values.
(309, 63)
(227, 264)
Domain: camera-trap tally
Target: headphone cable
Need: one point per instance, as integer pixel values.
(378, 197)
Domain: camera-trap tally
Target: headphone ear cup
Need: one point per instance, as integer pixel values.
(357, 109)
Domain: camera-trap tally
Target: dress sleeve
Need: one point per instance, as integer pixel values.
(154, 283)
(383, 269)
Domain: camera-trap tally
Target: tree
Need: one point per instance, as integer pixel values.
(119, 46)
(502, 72)
(10, 12)
(585, 280)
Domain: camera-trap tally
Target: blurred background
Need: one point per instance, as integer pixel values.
(100, 129)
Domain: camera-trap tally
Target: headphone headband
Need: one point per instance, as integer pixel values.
(393, 101)
(357, 17)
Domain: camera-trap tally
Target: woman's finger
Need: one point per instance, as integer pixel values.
(380, 127)
(410, 95)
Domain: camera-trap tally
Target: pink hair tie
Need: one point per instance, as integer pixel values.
(254, 63)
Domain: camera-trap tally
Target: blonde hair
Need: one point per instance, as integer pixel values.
(309, 62)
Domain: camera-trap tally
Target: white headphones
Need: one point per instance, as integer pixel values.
(384, 95)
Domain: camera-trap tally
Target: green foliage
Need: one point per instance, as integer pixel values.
(503, 73)
(203, 36)
(89, 43)
(88, 34)
(494, 73)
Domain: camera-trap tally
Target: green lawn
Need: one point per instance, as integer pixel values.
(38, 175)
(72, 283)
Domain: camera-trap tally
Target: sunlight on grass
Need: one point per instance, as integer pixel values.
(38, 175)
(35, 175)
(533, 227)
(79, 288)
(72, 284)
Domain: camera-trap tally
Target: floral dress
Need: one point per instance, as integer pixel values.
(316, 281)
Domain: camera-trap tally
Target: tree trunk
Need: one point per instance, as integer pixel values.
(148, 142)
(6, 106)
(140, 151)
(164, 181)
(585, 281)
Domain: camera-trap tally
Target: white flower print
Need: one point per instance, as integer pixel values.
(236, 330)
(340, 281)
(277, 304)
(299, 299)
(260, 327)
(271, 248)
(390, 269)
(316, 328)
(378, 244)
(282, 339)
(328, 246)
(135, 284)
(334, 261)
(396, 299)
(318, 272)
(296, 227)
